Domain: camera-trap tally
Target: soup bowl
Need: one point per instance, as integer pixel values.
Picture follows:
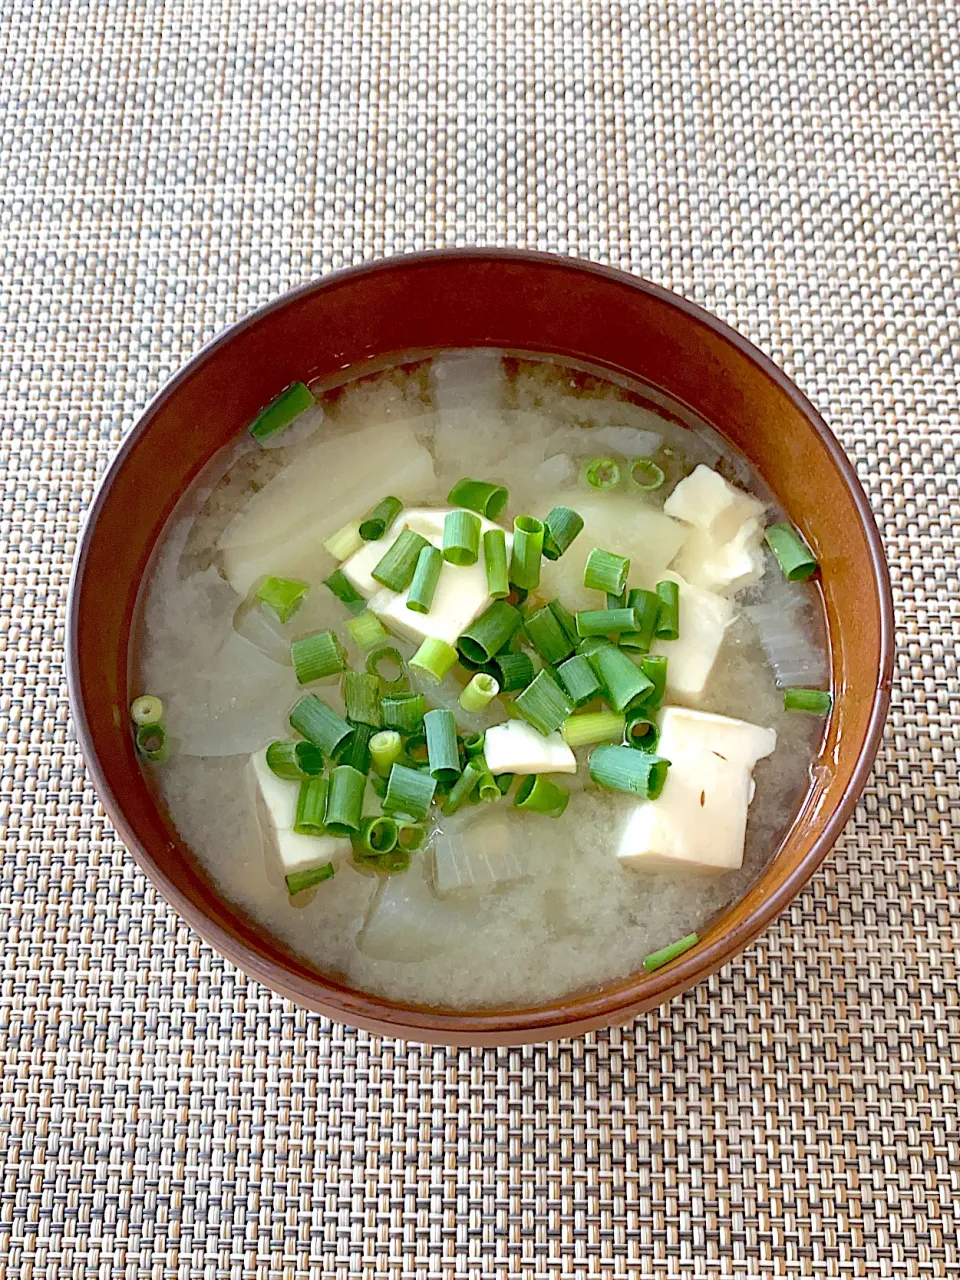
(362, 319)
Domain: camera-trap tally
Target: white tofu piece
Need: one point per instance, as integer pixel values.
(617, 522)
(517, 747)
(724, 567)
(461, 593)
(282, 527)
(710, 503)
(699, 820)
(704, 618)
(279, 796)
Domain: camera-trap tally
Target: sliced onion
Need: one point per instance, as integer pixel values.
(475, 858)
(557, 472)
(787, 624)
(628, 441)
(407, 922)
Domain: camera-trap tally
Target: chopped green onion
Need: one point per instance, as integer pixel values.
(641, 731)
(514, 671)
(657, 959)
(578, 679)
(403, 712)
(311, 807)
(392, 658)
(606, 571)
(345, 800)
(344, 590)
(409, 791)
(361, 697)
(434, 659)
(318, 656)
(566, 619)
(480, 692)
(645, 475)
(297, 881)
(355, 750)
(345, 541)
(426, 575)
(646, 605)
(547, 636)
(478, 495)
(279, 413)
(282, 596)
(590, 645)
(489, 633)
(385, 750)
(282, 761)
(440, 728)
(517, 596)
(376, 522)
(543, 703)
(465, 785)
(617, 601)
(487, 789)
(495, 560)
(376, 783)
(366, 631)
(152, 742)
(668, 619)
(394, 862)
(537, 794)
(318, 724)
(621, 679)
(559, 529)
(793, 555)
(605, 622)
(588, 727)
(602, 473)
(461, 537)
(378, 835)
(397, 566)
(310, 759)
(626, 769)
(505, 781)
(410, 835)
(415, 746)
(818, 701)
(146, 709)
(526, 553)
(473, 745)
(655, 669)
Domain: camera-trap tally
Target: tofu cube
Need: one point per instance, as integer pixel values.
(704, 618)
(279, 803)
(461, 593)
(517, 747)
(710, 503)
(699, 820)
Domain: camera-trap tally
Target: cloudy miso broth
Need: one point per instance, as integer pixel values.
(501, 903)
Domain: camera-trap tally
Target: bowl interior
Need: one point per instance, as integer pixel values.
(361, 320)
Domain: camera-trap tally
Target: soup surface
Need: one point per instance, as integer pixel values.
(499, 906)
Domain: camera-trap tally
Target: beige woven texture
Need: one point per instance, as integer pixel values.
(166, 167)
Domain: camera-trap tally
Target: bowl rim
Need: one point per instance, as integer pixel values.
(589, 1009)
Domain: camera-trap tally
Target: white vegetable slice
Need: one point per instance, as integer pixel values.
(710, 503)
(704, 618)
(474, 859)
(282, 527)
(699, 820)
(786, 623)
(407, 922)
(617, 522)
(278, 798)
(516, 747)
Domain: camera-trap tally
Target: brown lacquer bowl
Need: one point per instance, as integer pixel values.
(370, 316)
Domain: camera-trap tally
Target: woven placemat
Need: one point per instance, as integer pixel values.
(165, 167)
